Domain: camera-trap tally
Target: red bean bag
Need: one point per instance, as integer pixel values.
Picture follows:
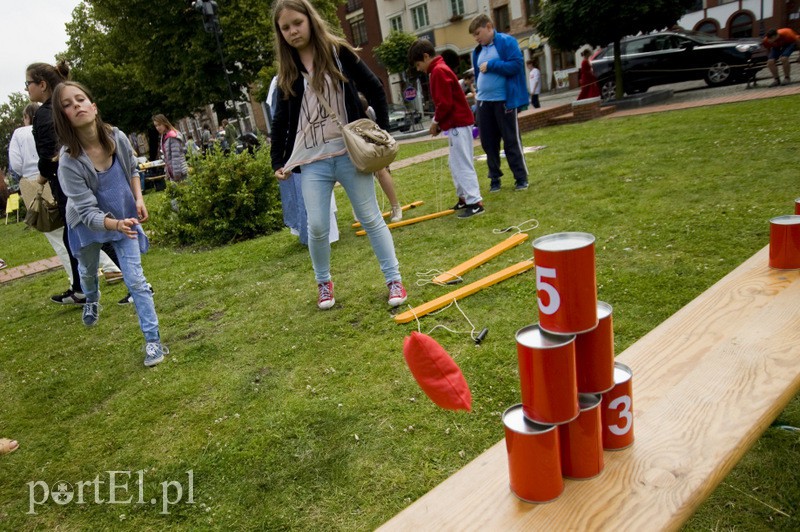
(436, 372)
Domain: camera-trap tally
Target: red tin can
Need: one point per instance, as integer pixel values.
(534, 465)
(617, 410)
(594, 354)
(797, 206)
(581, 440)
(784, 242)
(566, 286)
(547, 375)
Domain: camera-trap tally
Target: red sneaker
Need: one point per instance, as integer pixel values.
(397, 293)
(325, 299)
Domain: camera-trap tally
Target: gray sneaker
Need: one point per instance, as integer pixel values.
(154, 353)
(91, 313)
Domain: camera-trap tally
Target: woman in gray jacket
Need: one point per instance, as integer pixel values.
(97, 172)
(173, 149)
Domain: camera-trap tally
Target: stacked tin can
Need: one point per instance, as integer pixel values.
(576, 401)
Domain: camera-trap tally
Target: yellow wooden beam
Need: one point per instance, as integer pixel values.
(453, 275)
(356, 225)
(464, 291)
(410, 221)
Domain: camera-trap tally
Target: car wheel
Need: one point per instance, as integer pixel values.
(608, 89)
(718, 74)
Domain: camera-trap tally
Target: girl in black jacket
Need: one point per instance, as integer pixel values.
(306, 139)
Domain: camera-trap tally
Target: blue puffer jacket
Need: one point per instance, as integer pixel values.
(511, 65)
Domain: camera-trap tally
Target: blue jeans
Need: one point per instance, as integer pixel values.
(317, 180)
(130, 262)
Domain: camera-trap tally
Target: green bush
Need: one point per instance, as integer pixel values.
(227, 198)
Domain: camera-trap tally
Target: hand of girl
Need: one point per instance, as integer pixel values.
(141, 210)
(127, 227)
(279, 173)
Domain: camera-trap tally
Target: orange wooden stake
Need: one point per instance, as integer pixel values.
(464, 291)
(410, 221)
(356, 225)
(453, 275)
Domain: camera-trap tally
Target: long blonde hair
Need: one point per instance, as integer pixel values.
(322, 39)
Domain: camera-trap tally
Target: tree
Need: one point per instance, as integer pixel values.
(393, 52)
(10, 119)
(571, 23)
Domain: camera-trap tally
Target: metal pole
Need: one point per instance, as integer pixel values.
(225, 69)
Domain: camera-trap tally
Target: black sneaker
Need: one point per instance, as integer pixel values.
(521, 186)
(460, 204)
(495, 186)
(471, 210)
(69, 297)
(129, 298)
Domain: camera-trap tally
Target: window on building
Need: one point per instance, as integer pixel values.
(502, 22)
(707, 27)
(359, 30)
(742, 26)
(396, 23)
(533, 8)
(457, 7)
(420, 16)
(354, 5)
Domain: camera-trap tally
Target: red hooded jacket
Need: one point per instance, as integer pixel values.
(452, 109)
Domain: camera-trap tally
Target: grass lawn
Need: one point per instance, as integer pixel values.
(273, 415)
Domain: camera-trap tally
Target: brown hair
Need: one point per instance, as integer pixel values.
(161, 119)
(419, 48)
(67, 135)
(481, 21)
(323, 41)
(30, 111)
(52, 75)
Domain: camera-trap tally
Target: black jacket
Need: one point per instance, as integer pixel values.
(44, 134)
(287, 113)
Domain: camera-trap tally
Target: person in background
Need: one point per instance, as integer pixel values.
(105, 205)
(172, 148)
(535, 82)
(383, 175)
(24, 160)
(467, 84)
(781, 43)
(315, 63)
(453, 115)
(500, 77)
(230, 134)
(207, 141)
(192, 148)
(41, 79)
(587, 79)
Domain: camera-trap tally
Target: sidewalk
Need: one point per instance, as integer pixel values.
(18, 272)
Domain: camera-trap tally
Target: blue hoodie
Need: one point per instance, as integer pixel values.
(511, 65)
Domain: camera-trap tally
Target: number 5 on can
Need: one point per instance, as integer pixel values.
(543, 286)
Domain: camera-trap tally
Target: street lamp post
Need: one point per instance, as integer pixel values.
(210, 12)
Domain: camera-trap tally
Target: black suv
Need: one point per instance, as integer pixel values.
(671, 57)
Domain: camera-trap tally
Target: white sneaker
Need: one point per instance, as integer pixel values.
(397, 213)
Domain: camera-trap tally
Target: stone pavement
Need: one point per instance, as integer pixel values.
(689, 97)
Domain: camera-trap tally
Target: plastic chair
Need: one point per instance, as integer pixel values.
(12, 204)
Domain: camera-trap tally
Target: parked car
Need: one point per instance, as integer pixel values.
(671, 57)
(401, 119)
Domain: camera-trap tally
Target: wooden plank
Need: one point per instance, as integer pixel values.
(706, 383)
(411, 221)
(412, 205)
(464, 291)
(453, 275)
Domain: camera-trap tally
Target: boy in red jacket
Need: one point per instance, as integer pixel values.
(454, 116)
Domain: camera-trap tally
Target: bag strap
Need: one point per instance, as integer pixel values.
(323, 101)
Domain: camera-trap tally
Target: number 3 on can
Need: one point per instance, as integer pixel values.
(624, 413)
(547, 288)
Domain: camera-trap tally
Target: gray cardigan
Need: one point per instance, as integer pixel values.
(78, 180)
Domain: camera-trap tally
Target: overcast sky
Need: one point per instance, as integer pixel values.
(32, 31)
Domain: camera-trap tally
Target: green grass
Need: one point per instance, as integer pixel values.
(292, 418)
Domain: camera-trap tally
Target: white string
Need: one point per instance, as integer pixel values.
(426, 278)
(532, 224)
(471, 332)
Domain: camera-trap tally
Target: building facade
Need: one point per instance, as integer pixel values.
(742, 18)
